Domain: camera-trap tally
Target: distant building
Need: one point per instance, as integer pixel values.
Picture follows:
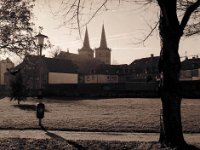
(104, 74)
(190, 69)
(85, 60)
(85, 65)
(4, 65)
(144, 69)
(140, 70)
(100, 79)
(39, 71)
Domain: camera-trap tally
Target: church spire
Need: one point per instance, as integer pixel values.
(103, 43)
(86, 43)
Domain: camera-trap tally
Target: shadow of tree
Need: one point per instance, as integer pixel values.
(59, 138)
(27, 107)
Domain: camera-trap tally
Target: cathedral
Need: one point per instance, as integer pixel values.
(101, 55)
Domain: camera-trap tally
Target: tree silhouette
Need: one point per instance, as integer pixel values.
(16, 28)
(18, 88)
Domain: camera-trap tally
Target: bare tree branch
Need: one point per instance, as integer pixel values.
(77, 17)
(192, 29)
(95, 13)
(188, 13)
(150, 33)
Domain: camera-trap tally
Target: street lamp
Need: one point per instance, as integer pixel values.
(40, 37)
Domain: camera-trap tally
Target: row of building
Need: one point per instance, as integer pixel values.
(90, 66)
(64, 71)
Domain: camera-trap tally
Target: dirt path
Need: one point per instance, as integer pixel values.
(100, 136)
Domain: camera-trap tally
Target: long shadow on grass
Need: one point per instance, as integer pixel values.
(27, 107)
(59, 138)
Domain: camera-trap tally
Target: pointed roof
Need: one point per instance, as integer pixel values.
(86, 43)
(103, 43)
(143, 64)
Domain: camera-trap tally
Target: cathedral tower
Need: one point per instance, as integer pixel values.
(103, 53)
(86, 51)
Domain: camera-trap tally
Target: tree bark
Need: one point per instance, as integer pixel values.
(169, 66)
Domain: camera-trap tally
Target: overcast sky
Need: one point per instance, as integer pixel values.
(124, 27)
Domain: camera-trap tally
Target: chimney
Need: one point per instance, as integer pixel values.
(152, 55)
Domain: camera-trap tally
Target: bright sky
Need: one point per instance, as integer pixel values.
(124, 27)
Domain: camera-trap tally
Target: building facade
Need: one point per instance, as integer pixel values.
(190, 69)
(4, 65)
(39, 72)
(100, 79)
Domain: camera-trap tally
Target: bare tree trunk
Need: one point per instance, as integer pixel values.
(173, 136)
(169, 66)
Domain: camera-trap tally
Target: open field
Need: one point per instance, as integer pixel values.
(126, 115)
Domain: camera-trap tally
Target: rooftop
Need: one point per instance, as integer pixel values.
(189, 64)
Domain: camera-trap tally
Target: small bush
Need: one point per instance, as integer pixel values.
(18, 89)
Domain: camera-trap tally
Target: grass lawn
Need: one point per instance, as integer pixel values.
(124, 114)
(127, 115)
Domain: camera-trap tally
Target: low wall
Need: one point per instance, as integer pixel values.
(138, 89)
(190, 89)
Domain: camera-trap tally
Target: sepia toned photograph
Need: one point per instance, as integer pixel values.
(99, 75)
